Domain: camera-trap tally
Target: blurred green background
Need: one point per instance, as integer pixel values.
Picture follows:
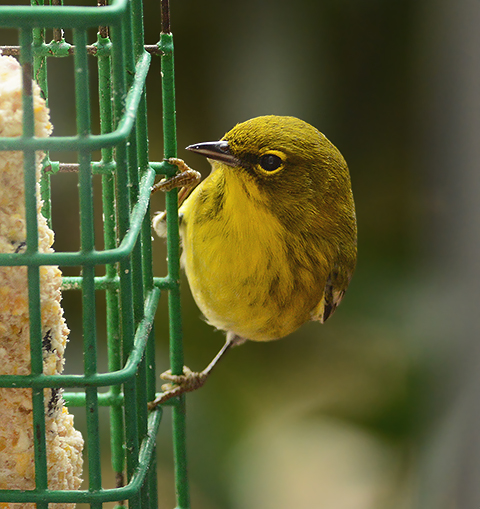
(378, 408)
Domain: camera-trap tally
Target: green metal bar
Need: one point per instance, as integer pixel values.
(104, 167)
(99, 496)
(173, 240)
(147, 270)
(164, 168)
(148, 382)
(117, 433)
(40, 74)
(109, 398)
(151, 381)
(98, 167)
(35, 318)
(173, 250)
(125, 269)
(87, 237)
(165, 283)
(91, 142)
(59, 49)
(66, 16)
(146, 234)
(107, 283)
(106, 399)
(141, 413)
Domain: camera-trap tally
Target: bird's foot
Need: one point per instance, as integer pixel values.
(186, 178)
(189, 381)
(192, 380)
(179, 384)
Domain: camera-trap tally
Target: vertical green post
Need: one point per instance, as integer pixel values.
(147, 383)
(40, 76)
(173, 240)
(87, 236)
(173, 251)
(125, 265)
(132, 40)
(29, 164)
(117, 434)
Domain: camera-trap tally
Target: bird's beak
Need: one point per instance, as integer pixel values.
(218, 150)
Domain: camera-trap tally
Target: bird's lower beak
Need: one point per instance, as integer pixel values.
(218, 150)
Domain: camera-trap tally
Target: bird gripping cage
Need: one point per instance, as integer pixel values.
(131, 291)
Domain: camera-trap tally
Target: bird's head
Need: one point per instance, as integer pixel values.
(293, 164)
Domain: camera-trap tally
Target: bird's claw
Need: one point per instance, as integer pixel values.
(178, 384)
(186, 177)
(189, 381)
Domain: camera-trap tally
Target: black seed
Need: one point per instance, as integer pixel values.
(47, 341)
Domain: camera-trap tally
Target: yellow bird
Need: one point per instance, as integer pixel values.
(269, 237)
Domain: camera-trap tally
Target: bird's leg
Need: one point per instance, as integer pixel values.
(191, 380)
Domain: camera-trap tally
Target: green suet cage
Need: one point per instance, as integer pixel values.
(120, 272)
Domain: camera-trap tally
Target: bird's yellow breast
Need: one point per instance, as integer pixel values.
(237, 258)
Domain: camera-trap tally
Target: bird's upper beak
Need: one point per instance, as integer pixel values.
(218, 150)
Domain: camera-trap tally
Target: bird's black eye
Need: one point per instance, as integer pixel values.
(270, 162)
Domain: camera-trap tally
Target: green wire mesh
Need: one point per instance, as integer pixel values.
(131, 292)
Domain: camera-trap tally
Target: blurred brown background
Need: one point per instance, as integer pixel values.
(378, 408)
